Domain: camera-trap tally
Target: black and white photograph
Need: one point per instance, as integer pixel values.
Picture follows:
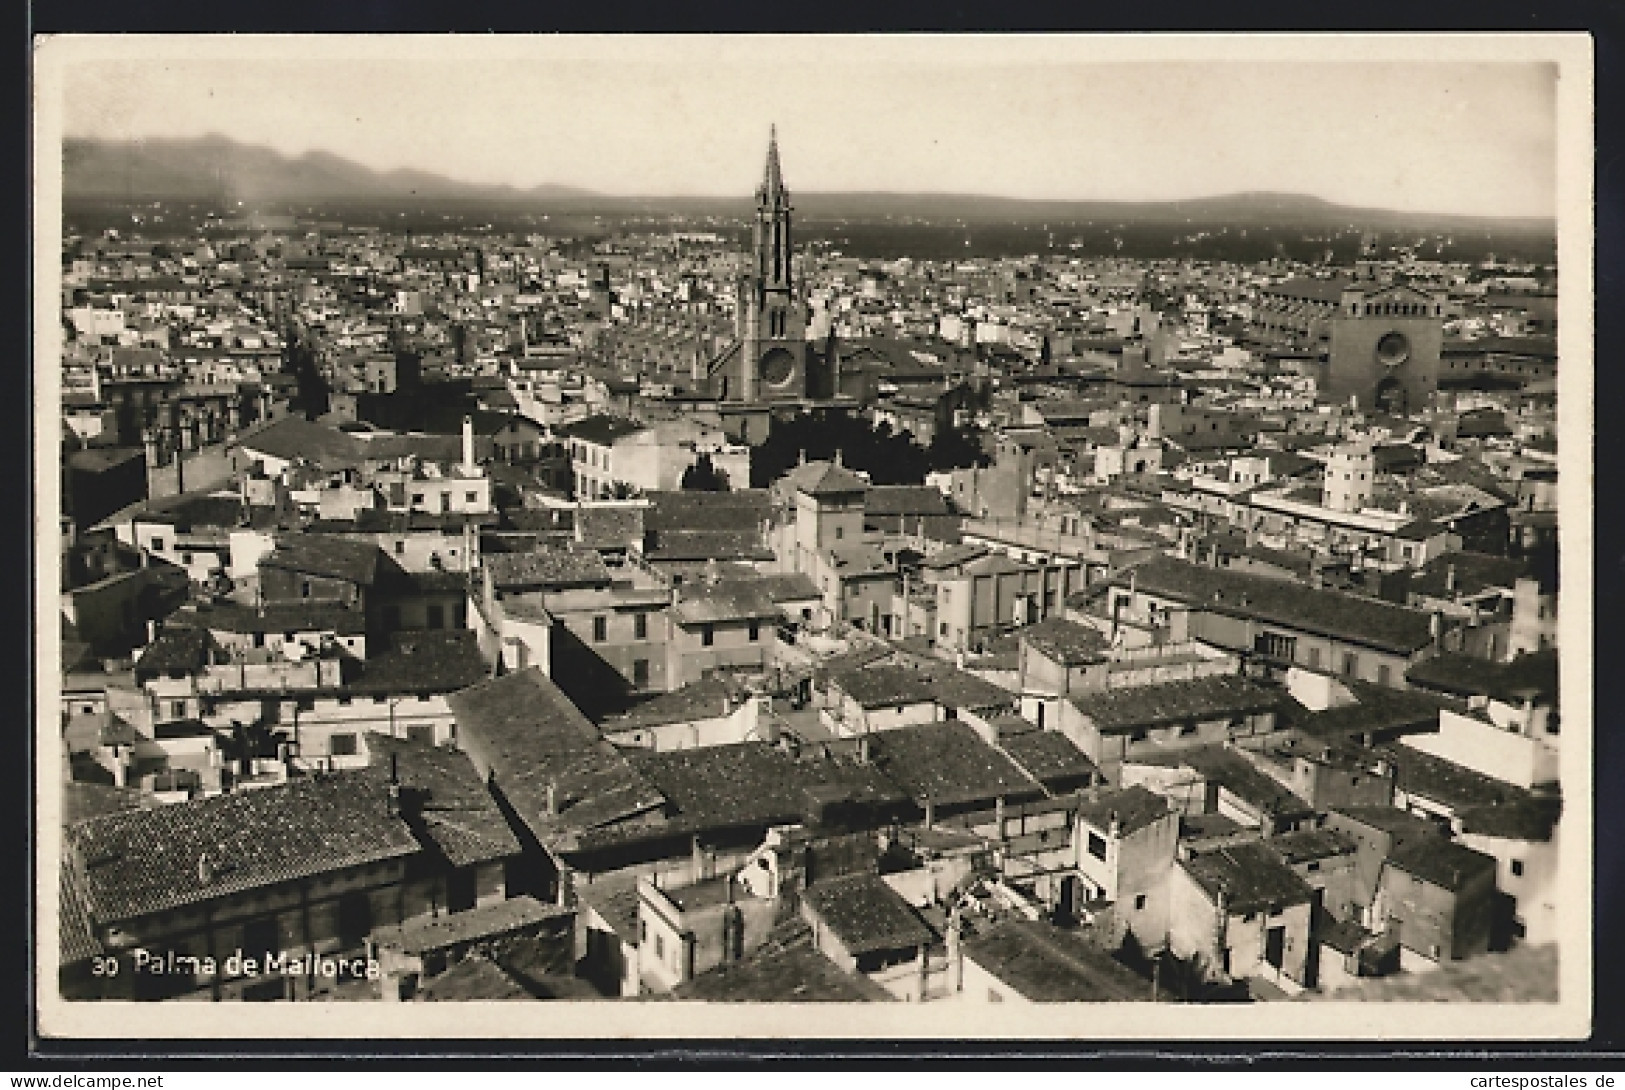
(845, 536)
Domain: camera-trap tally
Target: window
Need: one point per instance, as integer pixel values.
(186, 558)
(437, 615)
(342, 745)
(755, 631)
(640, 673)
(640, 626)
(840, 532)
(1314, 658)
(1351, 664)
(400, 547)
(177, 708)
(417, 499)
(643, 930)
(1314, 865)
(600, 629)
(660, 948)
(708, 635)
(259, 639)
(304, 588)
(1187, 729)
(1139, 902)
(1517, 868)
(420, 732)
(157, 544)
(1384, 675)
(470, 497)
(1097, 846)
(1275, 645)
(1138, 734)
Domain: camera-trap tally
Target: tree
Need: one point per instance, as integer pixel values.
(702, 476)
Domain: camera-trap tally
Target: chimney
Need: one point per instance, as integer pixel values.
(468, 446)
(553, 798)
(1450, 579)
(394, 785)
(1114, 826)
(837, 455)
(863, 748)
(205, 871)
(930, 813)
(998, 815)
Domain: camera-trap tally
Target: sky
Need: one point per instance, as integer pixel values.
(1044, 117)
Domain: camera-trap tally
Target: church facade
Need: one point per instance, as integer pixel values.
(770, 360)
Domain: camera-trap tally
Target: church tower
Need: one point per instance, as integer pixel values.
(771, 319)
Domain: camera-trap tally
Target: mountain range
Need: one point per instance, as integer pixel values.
(217, 169)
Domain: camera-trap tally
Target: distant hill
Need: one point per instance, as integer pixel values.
(217, 169)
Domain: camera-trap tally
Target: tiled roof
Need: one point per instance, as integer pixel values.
(445, 800)
(1236, 774)
(708, 698)
(276, 617)
(953, 556)
(475, 978)
(528, 733)
(1134, 807)
(787, 968)
(823, 479)
(1440, 862)
(721, 602)
(947, 763)
(753, 783)
(1483, 804)
(1367, 621)
(602, 429)
(866, 914)
(176, 648)
(293, 437)
(609, 527)
(1047, 965)
(1311, 844)
(424, 662)
(1399, 824)
(885, 686)
(1250, 876)
(1119, 710)
(1305, 288)
(450, 929)
(678, 545)
(82, 801)
(144, 861)
(1378, 710)
(781, 586)
(697, 511)
(904, 499)
(961, 689)
(857, 558)
(321, 554)
(1462, 675)
(615, 898)
(76, 928)
(546, 568)
(1065, 642)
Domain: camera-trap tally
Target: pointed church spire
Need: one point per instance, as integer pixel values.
(772, 179)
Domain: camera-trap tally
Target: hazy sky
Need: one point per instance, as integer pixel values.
(1045, 117)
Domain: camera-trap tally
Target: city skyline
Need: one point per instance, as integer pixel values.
(1050, 118)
